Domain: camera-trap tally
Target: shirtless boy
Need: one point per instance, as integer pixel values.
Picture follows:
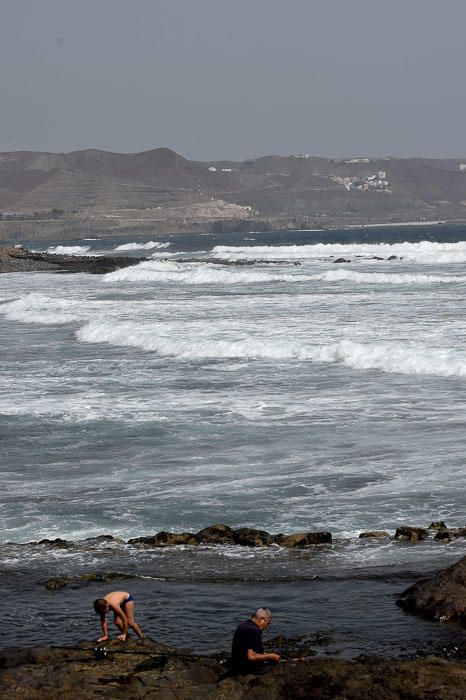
(121, 603)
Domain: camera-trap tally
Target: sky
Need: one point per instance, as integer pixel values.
(235, 79)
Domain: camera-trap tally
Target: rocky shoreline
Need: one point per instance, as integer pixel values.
(148, 669)
(221, 534)
(24, 260)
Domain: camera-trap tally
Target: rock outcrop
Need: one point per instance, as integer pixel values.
(23, 260)
(442, 597)
(223, 534)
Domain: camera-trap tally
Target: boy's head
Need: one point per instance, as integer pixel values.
(101, 606)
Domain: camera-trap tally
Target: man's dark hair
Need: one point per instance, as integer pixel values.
(100, 606)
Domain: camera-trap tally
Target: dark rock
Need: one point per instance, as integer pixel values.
(23, 260)
(341, 260)
(376, 257)
(444, 535)
(437, 525)
(249, 537)
(374, 533)
(303, 539)
(165, 539)
(77, 581)
(216, 534)
(393, 257)
(57, 542)
(442, 597)
(59, 582)
(411, 534)
(450, 533)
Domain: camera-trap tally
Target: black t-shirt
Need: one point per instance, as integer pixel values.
(247, 636)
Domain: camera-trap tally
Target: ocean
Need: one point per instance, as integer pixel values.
(286, 392)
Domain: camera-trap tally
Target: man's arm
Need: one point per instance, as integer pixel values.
(254, 656)
(103, 622)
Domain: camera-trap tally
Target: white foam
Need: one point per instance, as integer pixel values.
(188, 273)
(395, 357)
(142, 246)
(69, 249)
(163, 254)
(391, 357)
(424, 252)
(39, 308)
(343, 274)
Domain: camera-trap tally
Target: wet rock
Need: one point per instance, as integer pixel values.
(374, 533)
(165, 539)
(341, 260)
(442, 597)
(392, 257)
(450, 533)
(57, 542)
(411, 534)
(444, 535)
(303, 539)
(216, 534)
(77, 581)
(59, 582)
(437, 525)
(23, 260)
(249, 537)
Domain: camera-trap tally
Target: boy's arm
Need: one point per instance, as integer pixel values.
(103, 622)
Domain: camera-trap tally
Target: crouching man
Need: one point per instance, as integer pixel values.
(247, 651)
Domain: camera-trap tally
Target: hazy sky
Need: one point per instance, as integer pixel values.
(235, 79)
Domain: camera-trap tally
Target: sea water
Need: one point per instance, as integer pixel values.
(261, 384)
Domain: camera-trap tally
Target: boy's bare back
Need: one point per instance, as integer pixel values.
(116, 598)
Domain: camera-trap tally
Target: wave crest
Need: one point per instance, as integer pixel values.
(391, 357)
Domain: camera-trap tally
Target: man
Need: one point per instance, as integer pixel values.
(121, 603)
(247, 651)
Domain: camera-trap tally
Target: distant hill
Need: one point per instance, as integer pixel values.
(159, 190)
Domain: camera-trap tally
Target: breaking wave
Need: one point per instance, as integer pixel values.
(205, 273)
(391, 357)
(343, 274)
(425, 252)
(68, 249)
(142, 246)
(39, 308)
(168, 271)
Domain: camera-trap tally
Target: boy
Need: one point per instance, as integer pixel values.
(122, 605)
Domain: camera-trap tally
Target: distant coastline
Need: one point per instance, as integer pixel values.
(96, 193)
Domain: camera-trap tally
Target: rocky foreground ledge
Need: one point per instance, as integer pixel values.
(148, 669)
